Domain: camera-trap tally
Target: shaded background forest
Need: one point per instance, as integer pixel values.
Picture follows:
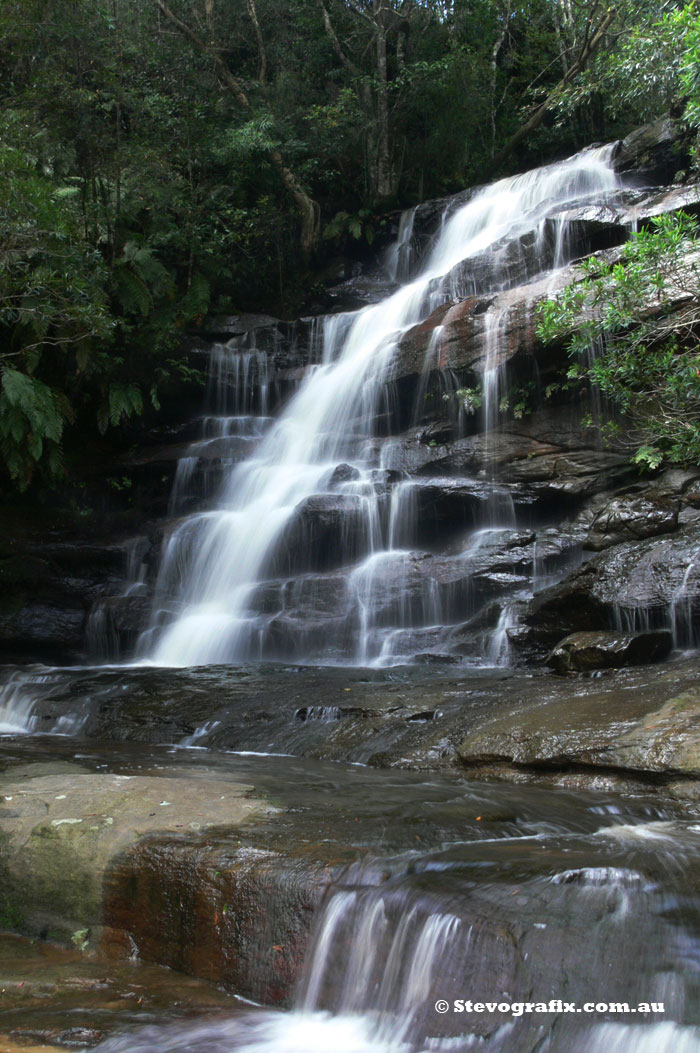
(161, 161)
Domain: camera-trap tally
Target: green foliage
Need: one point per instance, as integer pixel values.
(360, 226)
(32, 419)
(136, 194)
(250, 140)
(637, 75)
(685, 24)
(470, 399)
(631, 329)
(518, 400)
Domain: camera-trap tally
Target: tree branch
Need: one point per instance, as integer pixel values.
(262, 71)
(333, 37)
(535, 120)
(307, 208)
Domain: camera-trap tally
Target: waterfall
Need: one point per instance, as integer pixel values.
(20, 697)
(400, 255)
(16, 706)
(283, 510)
(480, 945)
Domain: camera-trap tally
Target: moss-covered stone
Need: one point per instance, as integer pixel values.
(60, 832)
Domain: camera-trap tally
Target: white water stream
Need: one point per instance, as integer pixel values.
(214, 560)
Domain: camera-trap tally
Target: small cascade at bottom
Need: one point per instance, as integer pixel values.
(16, 706)
(392, 962)
(20, 694)
(479, 946)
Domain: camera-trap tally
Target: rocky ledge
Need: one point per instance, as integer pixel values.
(157, 867)
(438, 716)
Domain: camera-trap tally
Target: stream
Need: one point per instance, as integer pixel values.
(441, 888)
(322, 630)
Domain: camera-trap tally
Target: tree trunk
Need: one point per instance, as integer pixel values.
(536, 118)
(262, 68)
(306, 206)
(500, 41)
(384, 175)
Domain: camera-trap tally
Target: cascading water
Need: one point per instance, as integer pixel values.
(582, 904)
(400, 256)
(310, 498)
(20, 695)
(16, 706)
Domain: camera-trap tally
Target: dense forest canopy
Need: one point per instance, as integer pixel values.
(160, 160)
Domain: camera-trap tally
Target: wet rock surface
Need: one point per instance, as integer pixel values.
(315, 812)
(630, 517)
(428, 717)
(59, 834)
(503, 886)
(654, 583)
(616, 725)
(544, 469)
(324, 529)
(583, 652)
(47, 590)
(55, 999)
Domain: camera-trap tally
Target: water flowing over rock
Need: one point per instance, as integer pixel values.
(403, 492)
(312, 495)
(653, 583)
(461, 880)
(333, 452)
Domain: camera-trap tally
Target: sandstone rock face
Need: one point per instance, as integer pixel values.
(536, 463)
(229, 912)
(60, 834)
(653, 153)
(665, 740)
(653, 582)
(625, 725)
(632, 517)
(47, 593)
(56, 999)
(586, 651)
(324, 530)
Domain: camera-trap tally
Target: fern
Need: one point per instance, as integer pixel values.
(131, 291)
(35, 401)
(196, 300)
(123, 401)
(32, 419)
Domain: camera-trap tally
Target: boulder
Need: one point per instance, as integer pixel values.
(344, 473)
(653, 154)
(632, 516)
(586, 651)
(325, 531)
